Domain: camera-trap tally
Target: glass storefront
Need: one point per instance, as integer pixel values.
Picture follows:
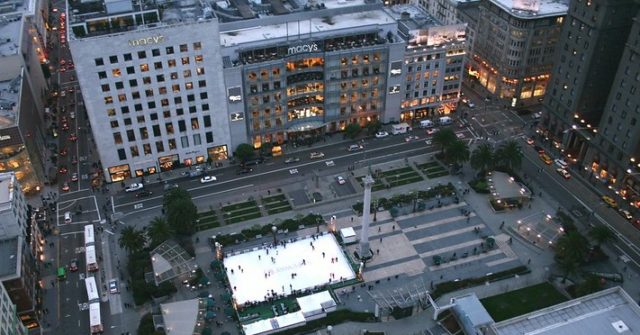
(119, 173)
(218, 153)
(169, 162)
(16, 158)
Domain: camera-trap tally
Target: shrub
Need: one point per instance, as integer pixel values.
(480, 185)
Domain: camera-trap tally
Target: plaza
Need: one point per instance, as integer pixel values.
(292, 266)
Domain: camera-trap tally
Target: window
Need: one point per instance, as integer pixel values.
(182, 126)
(134, 151)
(207, 121)
(137, 107)
(153, 116)
(202, 83)
(99, 61)
(175, 88)
(205, 107)
(114, 124)
(156, 130)
(191, 97)
(144, 134)
(184, 48)
(188, 85)
(111, 112)
(144, 67)
(171, 62)
(102, 75)
(151, 104)
(131, 70)
(159, 146)
(196, 139)
(142, 54)
(184, 141)
(157, 65)
(203, 95)
(117, 138)
(127, 57)
(209, 136)
(115, 72)
(174, 75)
(146, 80)
(177, 100)
(105, 88)
(197, 46)
(200, 71)
(131, 136)
(169, 127)
(127, 121)
(147, 148)
(113, 59)
(155, 52)
(133, 83)
(160, 78)
(169, 50)
(199, 58)
(194, 123)
(121, 154)
(108, 100)
(122, 97)
(186, 73)
(119, 85)
(124, 109)
(172, 144)
(148, 93)
(185, 60)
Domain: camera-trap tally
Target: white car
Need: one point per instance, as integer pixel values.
(72, 115)
(564, 173)
(207, 179)
(382, 134)
(340, 180)
(561, 163)
(134, 187)
(316, 154)
(471, 104)
(626, 214)
(355, 147)
(113, 286)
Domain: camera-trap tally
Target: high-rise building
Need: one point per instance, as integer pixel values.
(9, 321)
(613, 155)
(187, 84)
(23, 90)
(13, 207)
(512, 54)
(585, 64)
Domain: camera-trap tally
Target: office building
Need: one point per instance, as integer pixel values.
(298, 71)
(18, 275)
(592, 42)
(9, 322)
(13, 207)
(23, 91)
(512, 55)
(613, 155)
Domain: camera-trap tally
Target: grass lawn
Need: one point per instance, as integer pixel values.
(239, 205)
(277, 210)
(437, 174)
(522, 301)
(241, 212)
(428, 165)
(397, 171)
(236, 219)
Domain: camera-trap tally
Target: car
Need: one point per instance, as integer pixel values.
(72, 137)
(63, 69)
(546, 159)
(143, 194)
(355, 147)
(411, 138)
(168, 186)
(537, 115)
(609, 201)
(487, 98)
(560, 163)
(65, 187)
(432, 131)
(530, 141)
(63, 151)
(471, 104)
(73, 265)
(625, 214)
(538, 149)
(113, 286)
(340, 180)
(74, 177)
(62, 169)
(74, 160)
(207, 179)
(291, 160)
(564, 173)
(134, 187)
(316, 154)
(55, 10)
(63, 93)
(65, 126)
(382, 134)
(72, 115)
(245, 170)
(63, 62)
(70, 66)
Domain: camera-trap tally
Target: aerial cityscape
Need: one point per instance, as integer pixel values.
(326, 167)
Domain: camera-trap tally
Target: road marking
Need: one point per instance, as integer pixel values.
(293, 171)
(138, 206)
(72, 233)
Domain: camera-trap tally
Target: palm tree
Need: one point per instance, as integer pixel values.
(571, 251)
(131, 239)
(601, 234)
(510, 155)
(159, 230)
(482, 159)
(444, 138)
(458, 152)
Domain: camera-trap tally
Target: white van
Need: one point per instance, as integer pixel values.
(445, 120)
(426, 124)
(67, 217)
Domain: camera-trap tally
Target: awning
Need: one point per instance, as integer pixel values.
(304, 126)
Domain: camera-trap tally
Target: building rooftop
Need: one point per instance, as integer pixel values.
(9, 94)
(7, 181)
(471, 314)
(12, 13)
(10, 260)
(180, 317)
(503, 186)
(608, 312)
(533, 9)
(169, 260)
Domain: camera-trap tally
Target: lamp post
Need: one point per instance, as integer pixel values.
(274, 230)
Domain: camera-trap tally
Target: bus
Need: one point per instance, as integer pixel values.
(89, 238)
(90, 257)
(92, 289)
(95, 323)
(62, 273)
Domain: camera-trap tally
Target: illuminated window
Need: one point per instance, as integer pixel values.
(188, 85)
(200, 71)
(146, 80)
(115, 72)
(108, 100)
(148, 92)
(111, 112)
(195, 124)
(198, 58)
(174, 75)
(169, 50)
(147, 148)
(172, 144)
(122, 97)
(184, 48)
(117, 138)
(185, 60)
(114, 124)
(186, 73)
(162, 90)
(144, 67)
(157, 65)
(171, 62)
(175, 88)
(134, 151)
(197, 46)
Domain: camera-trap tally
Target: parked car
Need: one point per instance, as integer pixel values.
(355, 147)
(65, 187)
(382, 134)
(207, 179)
(62, 169)
(73, 265)
(113, 286)
(546, 159)
(291, 160)
(74, 177)
(134, 187)
(432, 131)
(245, 170)
(625, 214)
(316, 154)
(143, 194)
(340, 180)
(564, 173)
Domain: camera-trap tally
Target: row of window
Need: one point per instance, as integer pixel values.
(162, 91)
(114, 59)
(124, 110)
(171, 144)
(117, 73)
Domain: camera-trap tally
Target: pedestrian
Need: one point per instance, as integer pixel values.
(381, 240)
(379, 229)
(377, 251)
(502, 225)
(529, 261)
(352, 219)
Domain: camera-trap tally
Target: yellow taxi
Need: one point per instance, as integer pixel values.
(609, 201)
(546, 159)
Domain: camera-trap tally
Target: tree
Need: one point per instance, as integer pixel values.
(510, 155)
(173, 195)
(457, 152)
(444, 138)
(482, 159)
(131, 239)
(244, 152)
(352, 130)
(601, 234)
(373, 127)
(158, 231)
(571, 251)
(181, 212)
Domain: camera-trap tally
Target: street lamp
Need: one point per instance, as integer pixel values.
(274, 230)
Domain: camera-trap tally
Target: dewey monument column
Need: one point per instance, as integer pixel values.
(365, 251)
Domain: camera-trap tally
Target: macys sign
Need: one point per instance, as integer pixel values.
(311, 47)
(146, 41)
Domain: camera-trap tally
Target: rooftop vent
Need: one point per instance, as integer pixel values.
(620, 326)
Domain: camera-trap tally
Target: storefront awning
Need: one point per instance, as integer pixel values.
(304, 126)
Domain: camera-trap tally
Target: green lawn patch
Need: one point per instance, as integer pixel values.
(428, 165)
(405, 181)
(377, 185)
(206, 214)
(209, 225)
(241, 212)
(437, 174)
(240, 205)
(397, 171)
(237, 219)
(522, 301)
(277, 210)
